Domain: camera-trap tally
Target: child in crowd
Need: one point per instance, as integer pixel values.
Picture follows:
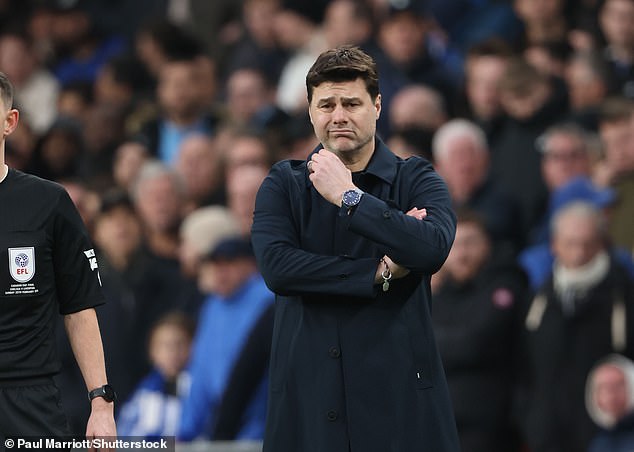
(154, 408)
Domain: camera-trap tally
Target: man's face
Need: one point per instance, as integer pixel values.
(178, 88)
(246, 94)
(576, 241)
(610, 391)
(469, 252)
(564, 158)
(159, 204)
(344, 116)
(225, 276)
(617, 22)
(618, 145)
(483, 79)
(464, 166)
(400, 37)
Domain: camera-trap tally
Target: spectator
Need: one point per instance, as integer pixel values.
(121, 81)
(461, 157)
(583, 312)
(74, 100)
(250, 368)
(537, 260)
(81, 49)
(155, 407)
(128, 160)
(126, 277)
(305, 40)
(549, 57)
(246, 148)
(479, 356)
(258, 46)
(237, 298)
(103, 130)
(200, 231)
(411, 141)
(616, 19)
(566, 154)
(417, 107)
(251, 104)
(348, 22)
(543, 21)
(242, 188)
(587, 79)
(36, 89)
(199, 167)
(484, 67)
(404, 57)
(158, 198)
(183, 111)
(610, 403)
(531, 103)
(160, 41)
(616, 169)
(60, 151)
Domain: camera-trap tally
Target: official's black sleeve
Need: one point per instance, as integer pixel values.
(75, 264)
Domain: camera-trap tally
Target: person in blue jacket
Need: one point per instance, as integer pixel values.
(154, 409)
(348, 240)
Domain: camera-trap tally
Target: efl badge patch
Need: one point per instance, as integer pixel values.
(22, 263)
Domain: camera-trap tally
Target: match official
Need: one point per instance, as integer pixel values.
(47, 264)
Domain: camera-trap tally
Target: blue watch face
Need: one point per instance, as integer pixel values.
(351, 198)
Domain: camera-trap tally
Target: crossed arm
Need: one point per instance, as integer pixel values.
(415, 245)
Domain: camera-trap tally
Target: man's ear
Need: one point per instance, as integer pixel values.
(377, 105)
(10, 122)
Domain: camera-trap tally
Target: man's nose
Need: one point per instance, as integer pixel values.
(339, 115)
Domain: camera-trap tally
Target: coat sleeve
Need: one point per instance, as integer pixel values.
(290, 270)
(420, 246)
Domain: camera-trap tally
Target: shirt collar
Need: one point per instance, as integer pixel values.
(382, 163)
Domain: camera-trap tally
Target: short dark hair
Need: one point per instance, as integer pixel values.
(343, 64)
(175, 319)
(6, 90)
(615, 109)
(492, 47)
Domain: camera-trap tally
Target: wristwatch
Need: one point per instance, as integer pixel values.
(105, 391)
(351, 198)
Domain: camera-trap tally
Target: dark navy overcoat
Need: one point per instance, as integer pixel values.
(353, 367)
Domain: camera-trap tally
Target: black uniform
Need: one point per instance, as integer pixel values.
(46, 264)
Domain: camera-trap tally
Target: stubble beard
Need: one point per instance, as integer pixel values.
(350, 154)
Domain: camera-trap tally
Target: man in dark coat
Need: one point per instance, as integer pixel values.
(477, 313)
(583, 312)
(343, 241)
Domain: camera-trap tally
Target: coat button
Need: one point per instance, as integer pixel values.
(332, 415)
(387, 214)
(334, 352)
(343, 276)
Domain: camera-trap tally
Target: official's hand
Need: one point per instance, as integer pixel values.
(330, 176)
(101, 422)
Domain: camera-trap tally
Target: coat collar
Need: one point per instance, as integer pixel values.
(382, 163)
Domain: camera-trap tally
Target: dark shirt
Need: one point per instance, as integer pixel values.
(48, 265)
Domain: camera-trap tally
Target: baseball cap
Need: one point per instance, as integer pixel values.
(229, 249)
(582, 189)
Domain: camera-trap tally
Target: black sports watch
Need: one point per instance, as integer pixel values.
(105, 391)
(351, 198)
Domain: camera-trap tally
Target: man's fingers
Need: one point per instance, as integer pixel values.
(419, 214)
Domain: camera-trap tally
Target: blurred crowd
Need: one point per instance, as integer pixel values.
(162, 117)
